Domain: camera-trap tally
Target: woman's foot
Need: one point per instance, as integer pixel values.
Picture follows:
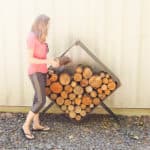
(26, 132)
(40, 128)
(37, 125)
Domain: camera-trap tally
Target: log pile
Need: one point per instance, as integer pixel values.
(79, 93)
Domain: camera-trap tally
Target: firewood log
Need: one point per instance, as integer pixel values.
(79, 69)
(111, 86)
(50, 71)
(63, 107)
(73, 84)
(53, 96)
(64, 78)
(105, 80)
(110, 80)
(88, 89)
(48, 82)
(77, 109)
(67, 102)
(60, 101)
(83, 106)
(95, 81)
(77, 101)
(107, 92)
(87, 72)
(99, 90)
(71, 108)
(64, 60)
(108, 76)
(72, 114)
(88, 109)
(78, 117)
(56, 87)
(77, 77)
(48, 91)
(78, 90)
(72, 96)
(53, 77)
(83, 113)
(64, 94)
(102, 74)
(86, 100)
(104, 87)
(92, 106)
(80, 96)
(84, 82)
(93, 94)
(67, 111)
(68, 88)
(102, 96)
(96, 101)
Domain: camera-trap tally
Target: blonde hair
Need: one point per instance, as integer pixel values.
(39, 27)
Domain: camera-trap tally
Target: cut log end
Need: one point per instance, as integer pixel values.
(87, 72)
(64, 78)
(77, 77)
(78, 90)
(95, 81)
(79, 69)
(60, 101)
(53, 77)
(56, 87)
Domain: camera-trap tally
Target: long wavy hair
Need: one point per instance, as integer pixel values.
(39, 27)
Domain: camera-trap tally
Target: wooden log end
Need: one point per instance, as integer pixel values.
(64, 78)
(56, 87)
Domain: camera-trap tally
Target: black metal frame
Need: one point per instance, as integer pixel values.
(79, 43)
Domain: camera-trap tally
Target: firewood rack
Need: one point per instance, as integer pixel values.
(102, 66)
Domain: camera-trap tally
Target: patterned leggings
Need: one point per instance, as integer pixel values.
(38, 80)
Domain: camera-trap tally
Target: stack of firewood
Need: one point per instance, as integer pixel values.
(78, 93)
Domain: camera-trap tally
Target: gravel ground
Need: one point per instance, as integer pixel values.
(95, 132)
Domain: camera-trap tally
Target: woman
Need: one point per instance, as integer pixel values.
(37, 49)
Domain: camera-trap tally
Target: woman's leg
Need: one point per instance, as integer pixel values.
(27, 123)
(38, 80)
(42, 82)
(39, 100)
(36, 120)
(37, 125)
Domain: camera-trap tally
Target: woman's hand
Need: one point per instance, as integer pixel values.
(55, 63)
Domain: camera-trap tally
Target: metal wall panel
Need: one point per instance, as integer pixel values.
(117, 31)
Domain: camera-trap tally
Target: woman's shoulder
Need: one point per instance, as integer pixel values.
(31, 40)
(31, 35)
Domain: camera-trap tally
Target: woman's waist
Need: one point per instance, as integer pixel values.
(38, 66)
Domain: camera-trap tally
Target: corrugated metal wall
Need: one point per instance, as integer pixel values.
(117, 31)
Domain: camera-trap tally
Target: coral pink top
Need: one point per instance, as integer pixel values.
(40, 51)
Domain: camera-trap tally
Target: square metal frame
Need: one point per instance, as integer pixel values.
(102, 66)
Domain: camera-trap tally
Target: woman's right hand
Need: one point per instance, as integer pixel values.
(54, 63)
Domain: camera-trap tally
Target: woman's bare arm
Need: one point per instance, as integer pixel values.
(48, 61)
(34, 60)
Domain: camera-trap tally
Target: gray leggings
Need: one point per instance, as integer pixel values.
(38, 80)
